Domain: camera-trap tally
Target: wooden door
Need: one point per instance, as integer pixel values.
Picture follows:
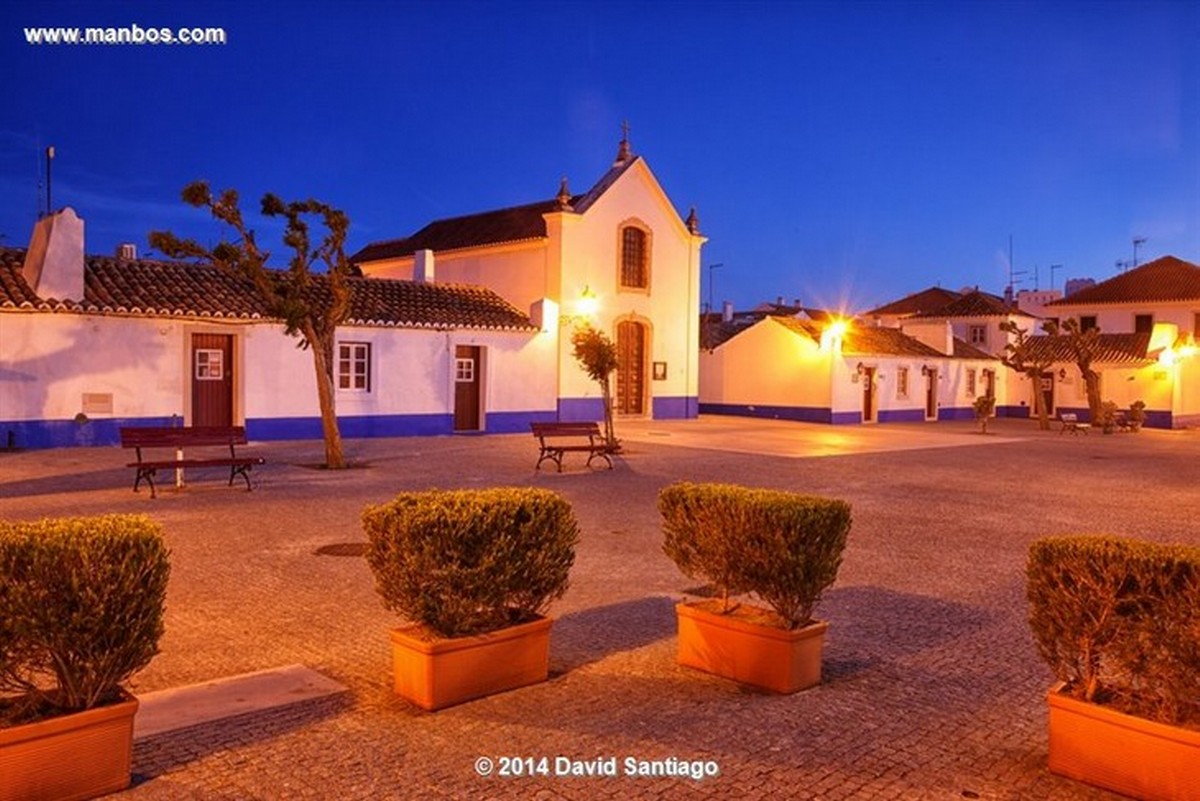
(466, 388)
(931, 384)
(631, 369)
(868, 379)
(212, 379)
(1047, 388)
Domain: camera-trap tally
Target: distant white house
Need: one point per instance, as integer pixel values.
(841, 371)
(1149, 319)
(89, 345)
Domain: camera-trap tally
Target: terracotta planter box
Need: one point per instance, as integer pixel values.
(434, 674)
(1129, 755)
(70, 757)
(763, 656)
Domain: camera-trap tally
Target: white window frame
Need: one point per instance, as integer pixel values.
(464, 370)
(902, 383)
(354, 367)
(977, 334)
(210, 364)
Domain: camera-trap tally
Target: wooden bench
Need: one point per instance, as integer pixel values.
(151, 437)
(1070, 422)
(557, 439)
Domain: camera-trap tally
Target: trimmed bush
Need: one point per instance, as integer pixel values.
(81, 610)
(1118, 621)
(466, 562)
(783, 547)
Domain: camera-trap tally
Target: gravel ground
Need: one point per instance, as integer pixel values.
(932, 688)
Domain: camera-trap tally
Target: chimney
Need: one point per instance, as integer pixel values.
(727, 312)
(423, 267)
(126, 251)
(54, 262)
(779, 300)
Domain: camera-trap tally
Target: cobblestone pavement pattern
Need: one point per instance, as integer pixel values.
(932, 688)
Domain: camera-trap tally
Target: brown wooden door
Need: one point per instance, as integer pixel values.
(1047, 387)
(931, 383)
(466, 388)
(868, 379)
(212, 379)
(631, 369)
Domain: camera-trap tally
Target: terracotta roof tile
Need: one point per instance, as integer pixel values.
(157, 288)
(927, 300)
(1113, 349)
(512, 224)
(1162, 280)
(974, 304)
(866, 340)
(965, 350)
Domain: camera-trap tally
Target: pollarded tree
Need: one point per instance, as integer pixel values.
(1019, 356)
(1085, 347)
(597, 355)
(288, 294)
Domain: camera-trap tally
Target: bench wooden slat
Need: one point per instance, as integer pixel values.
(149, 437)
(554, 450)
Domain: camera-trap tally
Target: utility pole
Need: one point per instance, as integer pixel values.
(712, 267)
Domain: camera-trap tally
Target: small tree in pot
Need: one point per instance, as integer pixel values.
(783, 548)
(985, 406)
(1118, 621)
(473, 571)
(81, 610)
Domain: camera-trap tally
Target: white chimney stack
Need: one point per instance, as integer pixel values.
(423, 268)
(54, 262)
(127, 251)
(727, 311)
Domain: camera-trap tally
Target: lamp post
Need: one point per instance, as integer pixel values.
(712, 267)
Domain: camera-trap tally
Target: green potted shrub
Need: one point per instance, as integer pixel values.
(985, 407)
(781, 547)
(81, 610)
(473, 572)
(1118, 621)
(1137, 415)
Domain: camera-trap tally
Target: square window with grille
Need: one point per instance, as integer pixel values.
(354, 366)
(971, 389)
(464, 370)
(901, 382)
(977, 334)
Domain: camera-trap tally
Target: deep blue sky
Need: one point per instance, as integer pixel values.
(843, 152)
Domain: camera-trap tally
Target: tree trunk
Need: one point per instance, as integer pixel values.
(610, 436)
(1039, 400)
(322, 351)
(1092, 381)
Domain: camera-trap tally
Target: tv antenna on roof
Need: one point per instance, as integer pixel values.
(1138, 241)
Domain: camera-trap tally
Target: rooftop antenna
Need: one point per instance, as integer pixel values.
(1138, 241)
(49, 162)
(1054, 267)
